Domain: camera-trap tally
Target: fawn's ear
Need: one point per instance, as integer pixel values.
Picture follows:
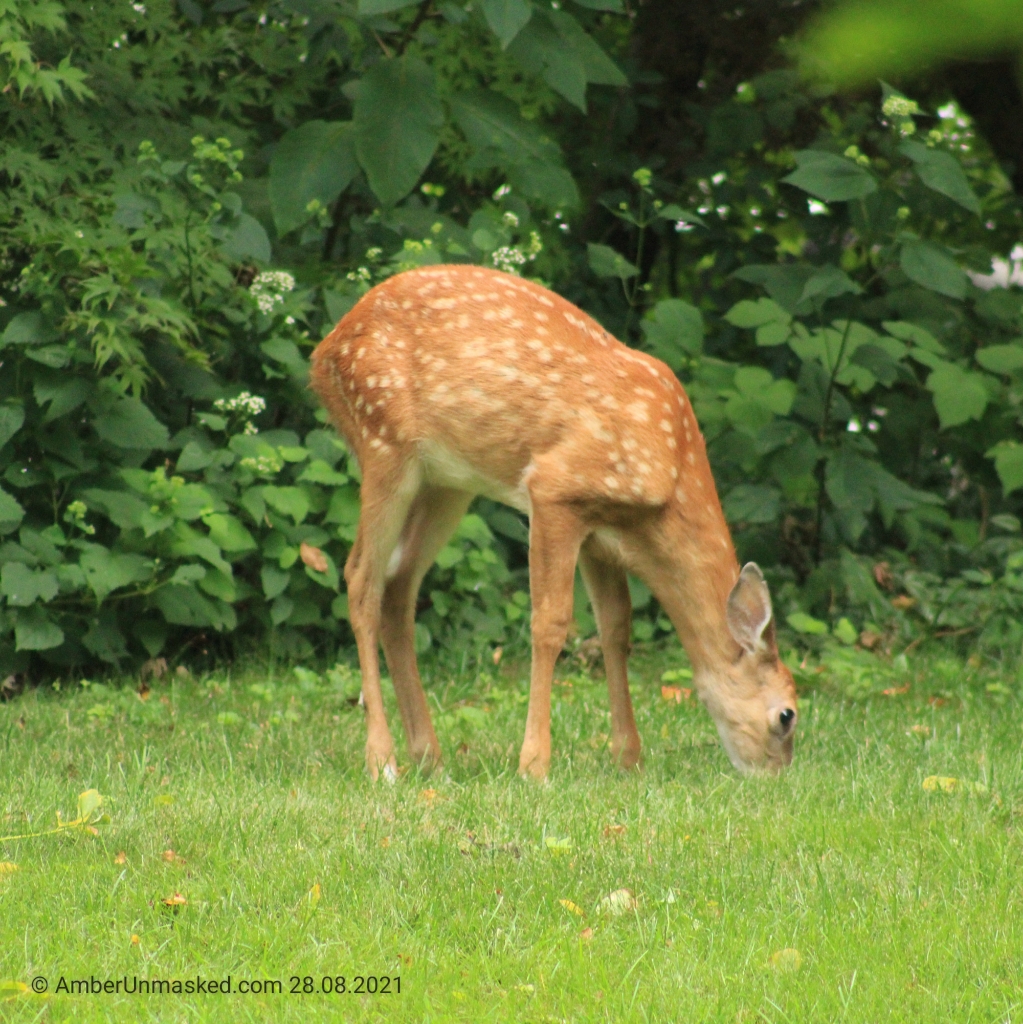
(749, 611)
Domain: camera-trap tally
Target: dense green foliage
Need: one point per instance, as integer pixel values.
(194, 195)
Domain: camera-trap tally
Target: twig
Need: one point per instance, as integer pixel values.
(421, 15)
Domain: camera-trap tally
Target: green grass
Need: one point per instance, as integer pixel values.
(904, 904)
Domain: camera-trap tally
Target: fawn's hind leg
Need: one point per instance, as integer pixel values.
(434, 515)
(608, 587)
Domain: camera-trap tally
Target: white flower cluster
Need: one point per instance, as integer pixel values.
(248, 404)
(270, 287)
(265, 465)
(1004, 273)
(510, 257)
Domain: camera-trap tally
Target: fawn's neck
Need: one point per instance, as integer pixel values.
(699, 571)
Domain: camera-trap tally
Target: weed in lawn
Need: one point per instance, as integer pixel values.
(244, 841)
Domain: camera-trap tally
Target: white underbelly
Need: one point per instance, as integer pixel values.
(442, 468)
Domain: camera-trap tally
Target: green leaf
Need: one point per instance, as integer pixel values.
(784, 282)
(106, 570)
(319, 472)
(28, 329)
(1008, 458)
(803, 623)
(194, 457)
(22, 586)
(597, 65)
(397, 121)
(105, 639)
(848, 481)
(752, 503)
(275, 581)
(542, 51)
(62, 395)
(129, 424)
(53, 356)
(828, 282)
(187, 542)
(120, 507)
(959, 395)
(931, 267)
(830, 177)
(228, 533)
(11, 513)
(758, 314)
(674, 329)
(605, 262)
(290, 501)
(1000, 358)
(35, 631)
(371, 8)
(315, 161)
(916, 334)
(185, 606)
(941, 171)
(218, 584)
(501, 137)
(246, 240)
(507, 18)
(12, 416)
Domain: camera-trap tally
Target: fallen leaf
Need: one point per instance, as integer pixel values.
(619, 902)
(385, 842)
(614, 831)
(895, 691)
(919, 730)
(558, 847)
(903, 602)
(313, 557)
(172, 858)
(174, 901)
(945, 783)
(143, 691)
(135, 940)
(586, 934)
(573, 908)
(405, 958)
(883, 575)
(7, 867)
(428, 796)
(313, 896)
(10, 990)
(786, 960)
(869, 639)
(676, 693)
(498, 651)
(936, 702)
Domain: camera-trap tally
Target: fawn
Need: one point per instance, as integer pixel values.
(449, 382)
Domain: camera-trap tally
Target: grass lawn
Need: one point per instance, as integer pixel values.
(844, 891)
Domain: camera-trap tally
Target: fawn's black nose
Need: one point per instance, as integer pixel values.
(785, 718)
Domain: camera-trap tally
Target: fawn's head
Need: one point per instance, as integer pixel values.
(752, 699)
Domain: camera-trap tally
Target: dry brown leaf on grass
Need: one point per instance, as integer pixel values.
(896, 691)
(613, 831)
(573, 908)
(313, 557)
(174, 901)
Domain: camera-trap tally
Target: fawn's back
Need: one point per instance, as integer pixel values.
(490, 379)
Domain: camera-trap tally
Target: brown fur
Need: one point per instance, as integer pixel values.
(452, 381)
